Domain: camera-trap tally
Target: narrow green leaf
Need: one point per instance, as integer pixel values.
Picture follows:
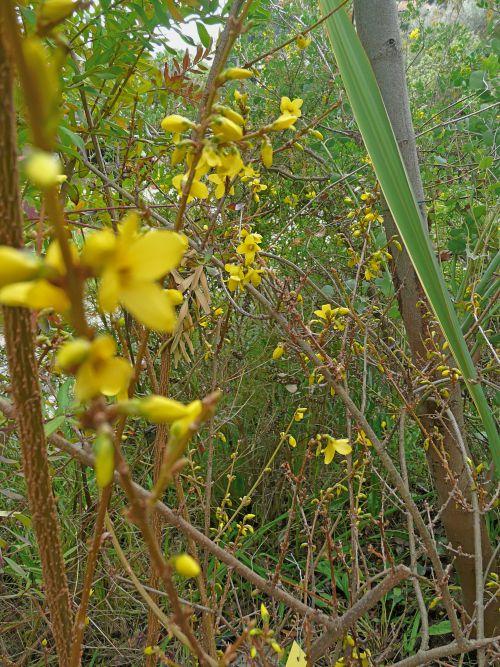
(378, 136)
(205, 38)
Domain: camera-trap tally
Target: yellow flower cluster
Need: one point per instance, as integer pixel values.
(239, 275)
(220, 158)
(332, 317)
(364, 216)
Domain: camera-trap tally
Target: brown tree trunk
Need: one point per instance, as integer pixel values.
(378, 28)
(19, 338)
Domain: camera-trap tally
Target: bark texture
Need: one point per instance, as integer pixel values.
(23, 370)
(377, 24)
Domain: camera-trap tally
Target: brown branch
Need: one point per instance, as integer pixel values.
(338, 625)
(20, 344)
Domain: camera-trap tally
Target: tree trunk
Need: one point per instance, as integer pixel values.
(377, 24)
(23, 370)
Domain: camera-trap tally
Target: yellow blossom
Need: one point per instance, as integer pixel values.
(233, 73)
(236, 276)
(104, 462)
(266, 153)
(163, 410)
(278, 352)
(292, 107)
(17, 266)
(249, 248)
(253, 276)
(229, 113)
(176, 123)
(340, 445)
(299, 414)
(241, 98)
(130, 264)
(53, 11)
(283, 122)
(414, 34)
(225, 129)
(43, 169)
(186, 566)
(96, 367)
(38, 294)
(264, 613)
(302, 41)
(220, 185)
(291, 441)
(197, 190)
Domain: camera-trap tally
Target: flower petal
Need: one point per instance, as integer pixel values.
(156, 253)
(109, 291)
(329, 453)
(150, 305)
(342, 446)
(114, 376)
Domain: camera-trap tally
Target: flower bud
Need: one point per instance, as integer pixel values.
(233, 73)
(229, 113)
(186, 566)
(104, 452)
(266, 153)
(17, 266)
(176, 123)
(53, 11)
(225, 129)
(43, 169)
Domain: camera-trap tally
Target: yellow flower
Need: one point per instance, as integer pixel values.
(96, 367)
(186, 566)
(332, 316)
(104, 461)
(363, 439)
(236, 276)
(197, 190)
(225, 129)
(249, 248)
(56, 10)
(291, 441)
(129, 265)
(299, 414)
(266, 153)
(283, 122)
(241, 98)
(176, 123)
(220, 185)
(43, 169)
(229, 113)
(17, 266)
(233, 73)
(278, 352)
(38, 294)
(253, 276)
(231, 162)
(291, 107)
(414, 34)
(340, 445)
(163, 410)
(264, 613)
(302, 41)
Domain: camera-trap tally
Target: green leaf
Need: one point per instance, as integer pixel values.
(442, 628)
(53, 425)
(374, 124)
(205, 38)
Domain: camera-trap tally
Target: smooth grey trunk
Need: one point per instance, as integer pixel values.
(377, 24)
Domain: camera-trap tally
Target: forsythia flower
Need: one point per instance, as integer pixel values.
(197, 189)
(56, 10)
(96, 367)
(249, 248)
(291, 107)
(233, 73)
(236, 276)
(176, 123)
(283, 122)
(226, 129)
(340, 445)
(17, 266)
(291, 441)
(186, 566)
(129, 265)
(43, 169)
(39, 293)
(299, 414)
(264, 613)
(266, 153)
(414, 34)
(253, 276)
(229, 113)
(104, 453)
(330, 316)
(278, 352)
(303, 41)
